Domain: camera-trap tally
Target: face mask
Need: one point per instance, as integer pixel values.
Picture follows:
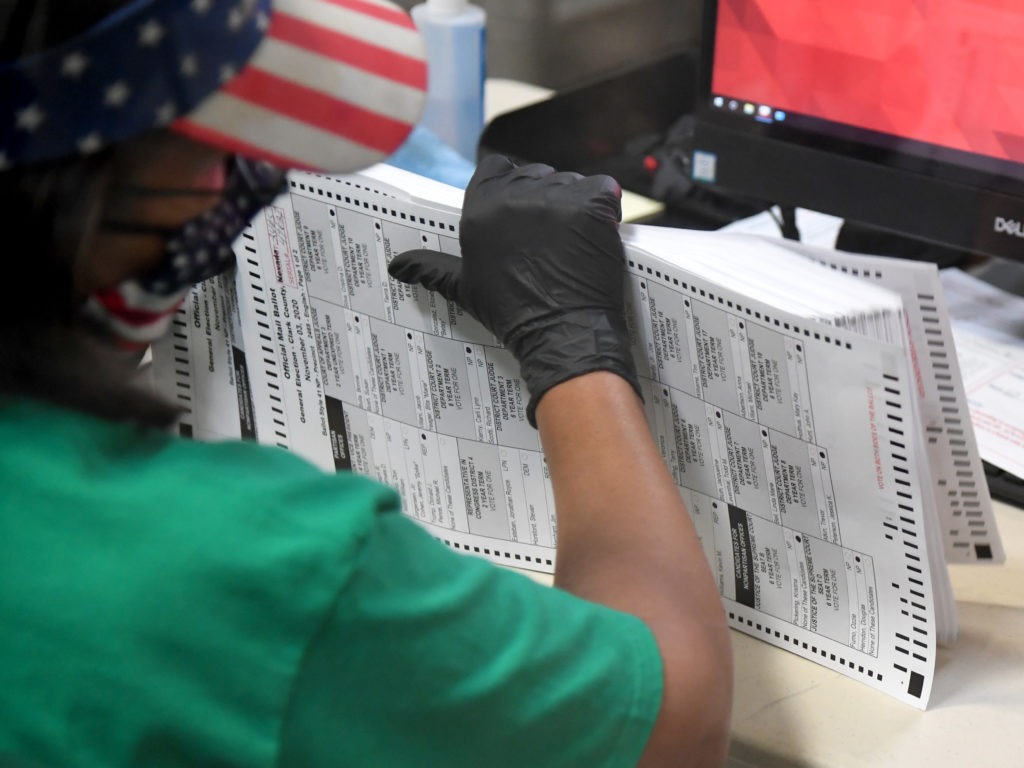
(139, 310)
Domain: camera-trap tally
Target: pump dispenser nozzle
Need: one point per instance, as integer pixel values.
(447, 6)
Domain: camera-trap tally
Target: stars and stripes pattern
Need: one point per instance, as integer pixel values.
(326, 85)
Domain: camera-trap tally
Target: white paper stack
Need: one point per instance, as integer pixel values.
(808, 404)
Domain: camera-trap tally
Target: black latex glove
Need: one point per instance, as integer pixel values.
(542, 267)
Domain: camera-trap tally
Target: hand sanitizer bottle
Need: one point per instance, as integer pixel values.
(453, 31)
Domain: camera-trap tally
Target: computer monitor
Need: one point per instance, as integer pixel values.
(902, 115)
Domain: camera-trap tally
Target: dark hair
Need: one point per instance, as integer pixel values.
(44, 351)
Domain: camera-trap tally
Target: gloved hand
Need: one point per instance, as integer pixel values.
(542, 267)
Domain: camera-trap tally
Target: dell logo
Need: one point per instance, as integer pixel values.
(1009, 227)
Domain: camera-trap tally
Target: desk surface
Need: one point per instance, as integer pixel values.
(788, 711)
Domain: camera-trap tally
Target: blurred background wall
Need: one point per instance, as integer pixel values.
(563, 43)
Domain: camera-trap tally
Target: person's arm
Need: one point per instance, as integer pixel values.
(626, 540)
(543, 268)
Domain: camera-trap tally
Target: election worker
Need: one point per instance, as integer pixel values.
(171, 602)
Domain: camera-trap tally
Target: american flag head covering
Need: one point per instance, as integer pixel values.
(324, 85)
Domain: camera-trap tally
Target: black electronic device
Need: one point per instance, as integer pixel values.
(1004, 485)
(904, 117)
(632, 124)
(602, 126)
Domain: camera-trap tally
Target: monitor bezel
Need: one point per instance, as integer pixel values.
(951, 182)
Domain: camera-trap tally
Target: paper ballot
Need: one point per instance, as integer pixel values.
(808, 404)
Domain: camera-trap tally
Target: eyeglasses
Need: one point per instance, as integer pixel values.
(243, 181)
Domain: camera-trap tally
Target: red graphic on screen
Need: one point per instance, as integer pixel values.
(945, 72)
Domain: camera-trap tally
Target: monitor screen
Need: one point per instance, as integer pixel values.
(907, 115)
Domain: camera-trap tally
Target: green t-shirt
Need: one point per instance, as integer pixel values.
(165, 602)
